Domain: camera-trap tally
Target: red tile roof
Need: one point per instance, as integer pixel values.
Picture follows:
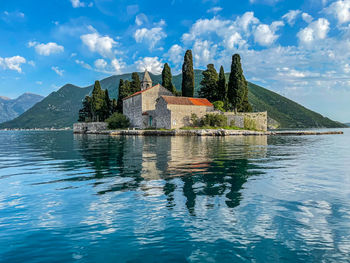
(139, 92)
(186, 101)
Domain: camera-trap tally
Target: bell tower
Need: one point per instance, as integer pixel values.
(146, 81)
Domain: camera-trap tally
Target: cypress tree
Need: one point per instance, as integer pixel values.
(98, 101)
(121, 96)
(188, 75)
(85, 114)
(127, 88)
(167, 79)
(237, 93)
(135, 84)
(222, 87)
(114, 106)
(209, 84)
(107, 106)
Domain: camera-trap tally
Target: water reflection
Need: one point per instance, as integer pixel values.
(206, 166)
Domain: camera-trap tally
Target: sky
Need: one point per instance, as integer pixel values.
(299, 49)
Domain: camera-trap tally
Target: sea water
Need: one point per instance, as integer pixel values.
(87, 198)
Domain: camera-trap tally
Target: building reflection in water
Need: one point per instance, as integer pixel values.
(194, 167)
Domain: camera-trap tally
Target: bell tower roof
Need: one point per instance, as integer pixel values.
(146, 81)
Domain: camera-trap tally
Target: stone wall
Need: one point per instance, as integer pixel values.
(132, 108)
(89, 127)
(162, 115)
(149, 97)
(135, 106)
(249, 120)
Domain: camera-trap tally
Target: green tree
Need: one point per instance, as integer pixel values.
(135, 84)
(167, 79)
(121, 96)
(128, 90)
(209, 84)
(114, 106)
(237, 93)
(85, 113)
(222, 87)
(107, 106)
(219, 105)
(188, 75)
(123, 92)
(98, 102)
(117, 121)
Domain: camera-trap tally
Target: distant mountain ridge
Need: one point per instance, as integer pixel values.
(60, 109)
(12, 108)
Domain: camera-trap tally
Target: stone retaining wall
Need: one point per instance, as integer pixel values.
(249, 120)
(89, 127)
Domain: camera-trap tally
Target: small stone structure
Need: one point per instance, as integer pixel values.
(89, 127)
(248, 120)
(175, 112)
(140, 106)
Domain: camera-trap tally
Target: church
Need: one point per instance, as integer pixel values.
(157, 107)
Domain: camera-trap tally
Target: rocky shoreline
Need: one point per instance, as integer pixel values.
(204, 132)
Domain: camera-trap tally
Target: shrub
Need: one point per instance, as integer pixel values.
(249, 124)
(214, 120)
(117, 121)
(219, 105)
(194, 120)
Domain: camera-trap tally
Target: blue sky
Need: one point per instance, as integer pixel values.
(300, 49)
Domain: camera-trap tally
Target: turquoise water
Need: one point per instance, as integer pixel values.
(70, 198)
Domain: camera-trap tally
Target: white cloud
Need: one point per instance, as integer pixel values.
(175, 54)
(307, 18)
(12, 63)
(214, 10)
(267, 2)
(32, 63)
(103, 45)
(203, 52)
(83, 64)
(117, 65)
(246, 20)
(77, 3)
(230, 32)
(316, 30)
(10, 17)
(151, 37)
(340, 10)
(58, 70)
(152, 64)
(265, 35)
(46, 49)
(39, 82)
(141, 19)
(291, 16)
(100, 64)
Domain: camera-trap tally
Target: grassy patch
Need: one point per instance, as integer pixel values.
(211, 128)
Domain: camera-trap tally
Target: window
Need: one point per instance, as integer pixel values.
(150, 121)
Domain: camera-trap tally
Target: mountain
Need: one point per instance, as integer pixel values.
(60, 108)
(10, 109)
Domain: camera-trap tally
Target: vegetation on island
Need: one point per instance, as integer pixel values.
(188, 75)
(167, 79)
(226, 97)
(118, 121)
(209, 120)
(98, 107)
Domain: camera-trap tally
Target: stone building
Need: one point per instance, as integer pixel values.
(175, 112)
(157, 107)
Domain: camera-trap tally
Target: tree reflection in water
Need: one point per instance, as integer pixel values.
(195, 166)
